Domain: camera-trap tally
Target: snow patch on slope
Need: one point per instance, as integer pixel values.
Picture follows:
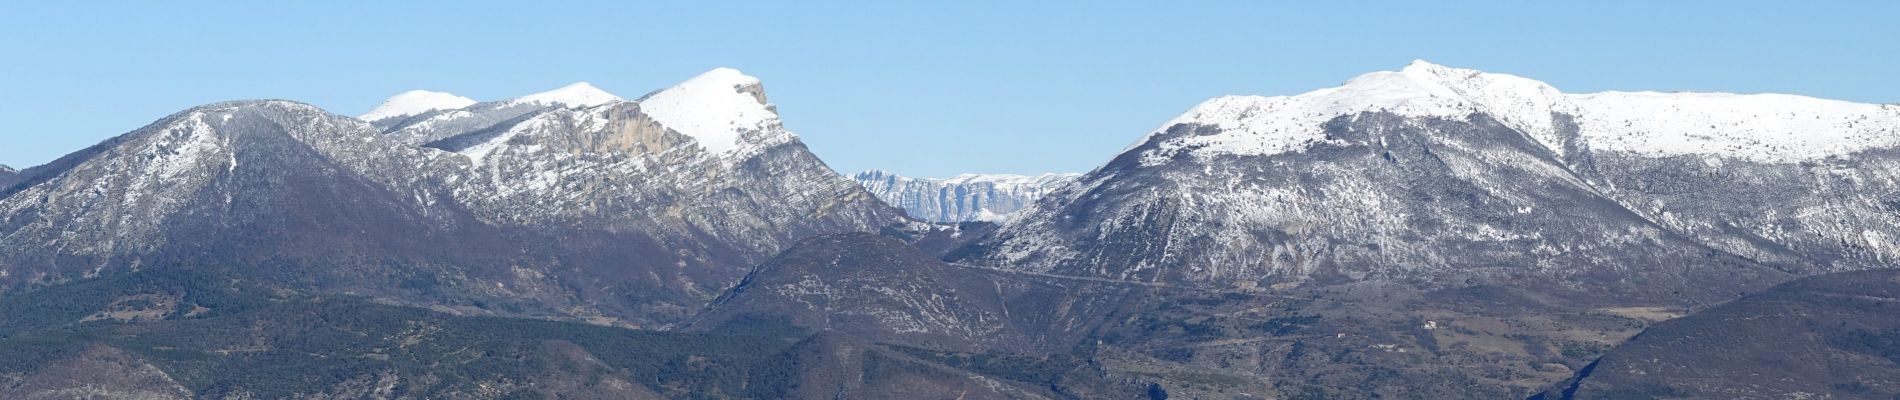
(480, 151)
(715, 108)
(415, 102)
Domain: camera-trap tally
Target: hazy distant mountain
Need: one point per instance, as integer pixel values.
(967, 197)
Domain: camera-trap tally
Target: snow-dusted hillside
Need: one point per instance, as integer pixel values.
(1426, 210)
(569, 202)
(1773, 128)
(966, 197)
(1432, 173)
(1430, 232)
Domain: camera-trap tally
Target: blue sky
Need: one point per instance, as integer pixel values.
(920, 88)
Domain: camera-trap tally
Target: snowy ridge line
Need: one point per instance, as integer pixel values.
(1770, 128)
(723, 110)
(577, 94)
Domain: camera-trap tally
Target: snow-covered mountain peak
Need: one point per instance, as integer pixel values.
(721, 77)
(716, 108)
(1255, 125)
(1520, 103)
(577, 94)
(415, 102)
(1773, 128)
(1421, 64)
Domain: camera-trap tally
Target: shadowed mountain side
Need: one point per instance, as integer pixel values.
(184, 332)
(873, 287)
(1828, 336)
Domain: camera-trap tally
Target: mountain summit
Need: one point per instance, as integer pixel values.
(1759, 127)
(1257, 125)
(1334, 178)
(716, 108)
(1428, 210)
(415, 102)
(568, 202)
(577, 94)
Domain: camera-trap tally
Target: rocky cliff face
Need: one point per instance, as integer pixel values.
(540, 205)
(967, 197)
